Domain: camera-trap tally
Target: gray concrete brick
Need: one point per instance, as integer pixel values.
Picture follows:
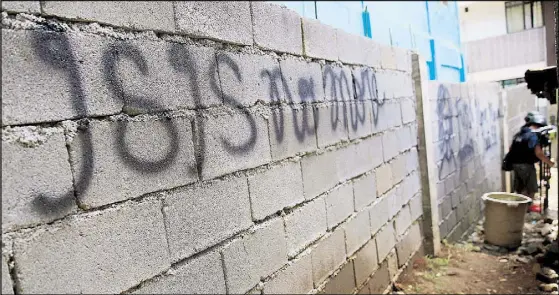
(395, 200)
(383, 176)
(255, 256)
(328, 255)
(331, 124)
(378, 214)
(203, 215)
(365, 83)
(392, 260)
(201, 275)
(398, 168)
(381, 116)
(277, 28)
(390, 145)
(452, 221)
(305, 225)
(339, 205)
(275, 189)
(357, 231)
(416, 207)
(224, 21)
(366, 262)
(350, 48)
(115, 249)
(342, 282)
(319, 40)
(360, 119)
(412, 161)
(380, 279)
(402, 221)
(364, 191)
(408, 110)
(33, 75)
(178, 76)
(142, 15)
(304, 80)
(7, 287)
(338, 83)
(317, 183)
(409, 244)
(371, 52)
(21, 6)
(295, 279)
(403, 59)
(143, 159)
(446, 207)
(359, 158)
(385, 83)
(292, 131)
(36, 182)
(244, 80)
(388, 57)
(386, 240)
(229, 149)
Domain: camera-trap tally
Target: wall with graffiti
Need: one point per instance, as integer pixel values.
(467, 139)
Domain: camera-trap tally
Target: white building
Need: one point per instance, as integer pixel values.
(503, 39)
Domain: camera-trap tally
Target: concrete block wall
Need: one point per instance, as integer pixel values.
(466, 126)
(197, 147)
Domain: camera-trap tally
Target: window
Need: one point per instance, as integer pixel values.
(523, 15)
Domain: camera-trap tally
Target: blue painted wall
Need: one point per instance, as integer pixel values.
(429, 27)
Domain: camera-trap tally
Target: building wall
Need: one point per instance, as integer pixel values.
(483, 20)
(548, 21)
(240, 148)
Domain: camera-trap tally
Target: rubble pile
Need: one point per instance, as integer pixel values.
(539, 245)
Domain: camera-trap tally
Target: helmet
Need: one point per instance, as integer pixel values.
(536, 119)
(530, 115)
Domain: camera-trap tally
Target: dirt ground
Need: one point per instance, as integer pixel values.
(462, 270)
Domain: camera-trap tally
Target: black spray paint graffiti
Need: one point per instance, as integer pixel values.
(488, 119)
(56, 50)
(446, 131)
(465, 130)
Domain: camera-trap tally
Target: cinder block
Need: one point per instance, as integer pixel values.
(203, 274)
(303, 80)
(232, 142)
(277, 28)
(126, 159)
(328, 255)
(339, 205)
(408, 110)
(359, 158)
(383, 176)
(357, 232)
(398, 168)
(350, 48)
(416, 207)
(390, 145)
(396, 200)
(331, 124)
(36, 181)
(379, 213)
(341, 283)
(360, 121)
(224, 21)
(292, 131)
(7, 287)
(142, 15)
(274, 189)
(388, 57)
(380, 280)
(372, 52)
(317, 183)
(386, 83)
(366, 262)
(115, 249)
(443, 229)
(247, 78)
(455, 199)
(21, 6)
(403, 59)
(410, 243)
(386, 240)
(365, 80)
(202, 215)
(392, 260)
(177, 76)
(41, 68)
(402, 221)
(452, 221)
(255, 256)
(305, 225)
(295, 279)
(338, 83)
(446, 207)
(364, 191)
(319, 40)
(412, 161)
(460, 212)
